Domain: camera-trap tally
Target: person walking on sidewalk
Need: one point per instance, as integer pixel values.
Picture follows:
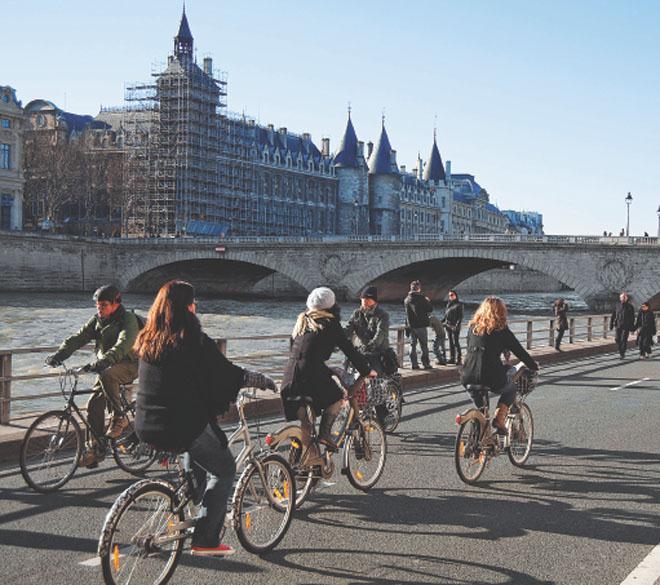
(622, 321)
(646, 329)
(439, 347)
(561, 320)
(452, 321)
(418, 307)
(113, 330)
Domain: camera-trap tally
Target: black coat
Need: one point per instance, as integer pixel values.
(454, 315)
(646, 322)
(483, 364)
(561, 312)
(306, 373)
(182, 393)
(623, 317)
(418, 308)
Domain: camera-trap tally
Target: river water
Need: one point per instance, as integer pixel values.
(42, 320)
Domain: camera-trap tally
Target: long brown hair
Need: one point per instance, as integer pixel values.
(170, 321)
(490, 316)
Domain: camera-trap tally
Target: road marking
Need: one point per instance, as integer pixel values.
(93, 562)
(629, 384)
(647, 572)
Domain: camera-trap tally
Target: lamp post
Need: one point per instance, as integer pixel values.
(356, 216)
(629, 199)
(658, 221)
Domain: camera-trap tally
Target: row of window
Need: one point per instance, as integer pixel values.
(5, 156)
(5, 123)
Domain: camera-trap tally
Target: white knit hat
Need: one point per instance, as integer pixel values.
(320, 299)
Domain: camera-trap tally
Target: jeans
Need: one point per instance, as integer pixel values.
(507, 392)
(560, 336)
(213, 465)
(106, 393)
(454, 344)
(621, 339)
(421, 335)
(439, 349)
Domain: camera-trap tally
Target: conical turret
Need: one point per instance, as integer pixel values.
(183, 41)
(435, 170)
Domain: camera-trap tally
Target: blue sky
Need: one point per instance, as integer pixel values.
(553, 106)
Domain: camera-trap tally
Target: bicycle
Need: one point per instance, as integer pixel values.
(52, 445)
(144, 532)
(361, 440)
(477, 444)
(383, 394)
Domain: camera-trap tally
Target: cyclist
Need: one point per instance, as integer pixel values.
(368, 328)
(315, 335)
(185, 383)
(113, 330)
(488, 337)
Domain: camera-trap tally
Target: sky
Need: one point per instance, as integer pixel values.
(554, 106)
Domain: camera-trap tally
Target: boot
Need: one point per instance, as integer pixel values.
(325, 431)
(499, 419)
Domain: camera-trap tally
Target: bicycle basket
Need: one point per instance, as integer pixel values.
(526, 382)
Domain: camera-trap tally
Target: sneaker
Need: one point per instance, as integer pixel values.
(222, 550)
(117, 426)
(91, 458)
(428, 367)
(440, 362)
(415, 367)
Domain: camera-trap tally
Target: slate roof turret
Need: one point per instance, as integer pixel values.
(347, 155)
(435, 170)
(381, 161)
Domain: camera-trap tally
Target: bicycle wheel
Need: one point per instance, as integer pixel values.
(521, 434)
(139, 542)
(130, 454)
(366, 450)
(469, 457)
(263, 504)
(393, 407)
(50, 451)
(290, 449)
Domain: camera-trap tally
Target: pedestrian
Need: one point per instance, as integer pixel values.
(646, 234)
(605, 233)
(418, 307)
(561, 320)
(439, 346)
(623, 321)
(622, 233)
(452, 322)
(113, 330)
(646, 329)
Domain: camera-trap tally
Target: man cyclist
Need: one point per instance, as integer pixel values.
(113, 330)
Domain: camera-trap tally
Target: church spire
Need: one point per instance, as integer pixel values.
(183, 41)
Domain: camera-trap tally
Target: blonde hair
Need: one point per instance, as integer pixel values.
(490, 316)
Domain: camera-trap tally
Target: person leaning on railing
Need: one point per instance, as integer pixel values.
(185, 383)
(113, 330)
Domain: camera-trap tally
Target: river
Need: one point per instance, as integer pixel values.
(41, 320)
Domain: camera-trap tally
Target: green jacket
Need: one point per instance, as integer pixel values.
(113, 338)
(371, 328)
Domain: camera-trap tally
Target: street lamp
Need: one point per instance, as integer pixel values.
(658, 220)
(629, 199)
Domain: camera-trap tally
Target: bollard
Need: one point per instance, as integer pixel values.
(551, 333)
(571, 330)
(530, 334)
(400, 345)
(590, 333)
(5, 388)
(222, 346)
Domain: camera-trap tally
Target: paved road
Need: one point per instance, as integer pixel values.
(584, 512)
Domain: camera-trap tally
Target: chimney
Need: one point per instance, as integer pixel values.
(271, 127)
(361, 149)
(282, 131)
(370, 148)
(403, 169)
(208, 66)
(325, 146)
(306, 136)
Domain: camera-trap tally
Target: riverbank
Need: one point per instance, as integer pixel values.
(269, 404)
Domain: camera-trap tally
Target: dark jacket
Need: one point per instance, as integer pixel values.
(306, 373)
(646, 322)
(182, 393)
(454, 315)
(482, 362)
(113, 337)
(561, 312)
(372, 329)
(417, 308)
(623, 317)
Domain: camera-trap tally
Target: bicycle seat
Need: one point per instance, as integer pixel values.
(477, 388)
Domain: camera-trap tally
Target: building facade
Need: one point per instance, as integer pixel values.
(12, 181)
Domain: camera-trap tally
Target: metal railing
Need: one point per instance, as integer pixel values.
(268, 353)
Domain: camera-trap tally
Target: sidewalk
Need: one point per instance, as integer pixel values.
(268, 403)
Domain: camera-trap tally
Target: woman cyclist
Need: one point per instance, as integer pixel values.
(488, 337)
(185, 382)
(316, 334)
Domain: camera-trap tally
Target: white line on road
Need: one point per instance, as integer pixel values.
(93, 562)
(647, 572)
(629, 384)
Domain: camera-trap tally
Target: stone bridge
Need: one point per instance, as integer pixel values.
(596, 267)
